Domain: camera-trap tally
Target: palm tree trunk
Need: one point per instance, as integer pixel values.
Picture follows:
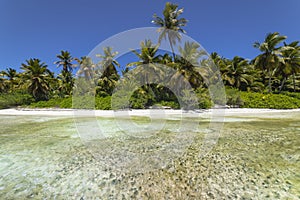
(171, 45)
(270, 87)
(282, 84)
(294, 82)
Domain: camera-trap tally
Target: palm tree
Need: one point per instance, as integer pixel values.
(256, 84)
(12, 76)
(238, 73)
(147, 54)
(65, 61)
(38, 77)
(271, 55)
(170, 25)
(65, 84)
(108, 72)
(66, 77)
(86, 68)
(220, 65)
(147, 57)
(188, 63)
(148, 70)
(166, 59)
(291, 64)
(108, 63)
(3, 85)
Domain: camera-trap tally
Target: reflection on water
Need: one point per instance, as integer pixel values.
(44, 157)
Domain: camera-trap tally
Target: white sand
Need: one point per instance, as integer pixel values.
(152, 112)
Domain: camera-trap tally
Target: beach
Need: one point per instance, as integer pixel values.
(149, 112)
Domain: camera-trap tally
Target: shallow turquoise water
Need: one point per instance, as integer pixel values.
(46, 157)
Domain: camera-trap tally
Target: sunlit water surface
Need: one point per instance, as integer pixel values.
(254, 158)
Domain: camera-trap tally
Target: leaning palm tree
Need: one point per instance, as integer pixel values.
(38, 77)
(170, 25)
(271, 55)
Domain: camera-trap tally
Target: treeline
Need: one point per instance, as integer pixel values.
(272, 74)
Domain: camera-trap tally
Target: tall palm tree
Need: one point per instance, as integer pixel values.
(38, 77)
(271, 55)
(170, 25)
(108, 72)
(65, 61)
(66, 77)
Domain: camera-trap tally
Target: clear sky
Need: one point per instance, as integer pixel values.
(42, 28)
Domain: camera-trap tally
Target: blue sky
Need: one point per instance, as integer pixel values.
(42, 28)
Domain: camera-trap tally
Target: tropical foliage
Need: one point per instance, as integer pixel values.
(170, 25)
(65, 79)
(38, 78)
(271, 55)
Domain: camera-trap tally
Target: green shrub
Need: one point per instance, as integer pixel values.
(138, 103)
(15, 99)
(83, 102)
(66, 103)
(292, 94)
(233, 97)
(171, 104)
(205, 103)
(53, 103)
(140, 99)
(204, 99)
(273, 101)
(103, 103)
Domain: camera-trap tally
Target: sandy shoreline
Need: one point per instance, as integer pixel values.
(148, 112)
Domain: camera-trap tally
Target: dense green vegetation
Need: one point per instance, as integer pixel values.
(15, 99)
(101, 103)
(236, 98)
(270, 80)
